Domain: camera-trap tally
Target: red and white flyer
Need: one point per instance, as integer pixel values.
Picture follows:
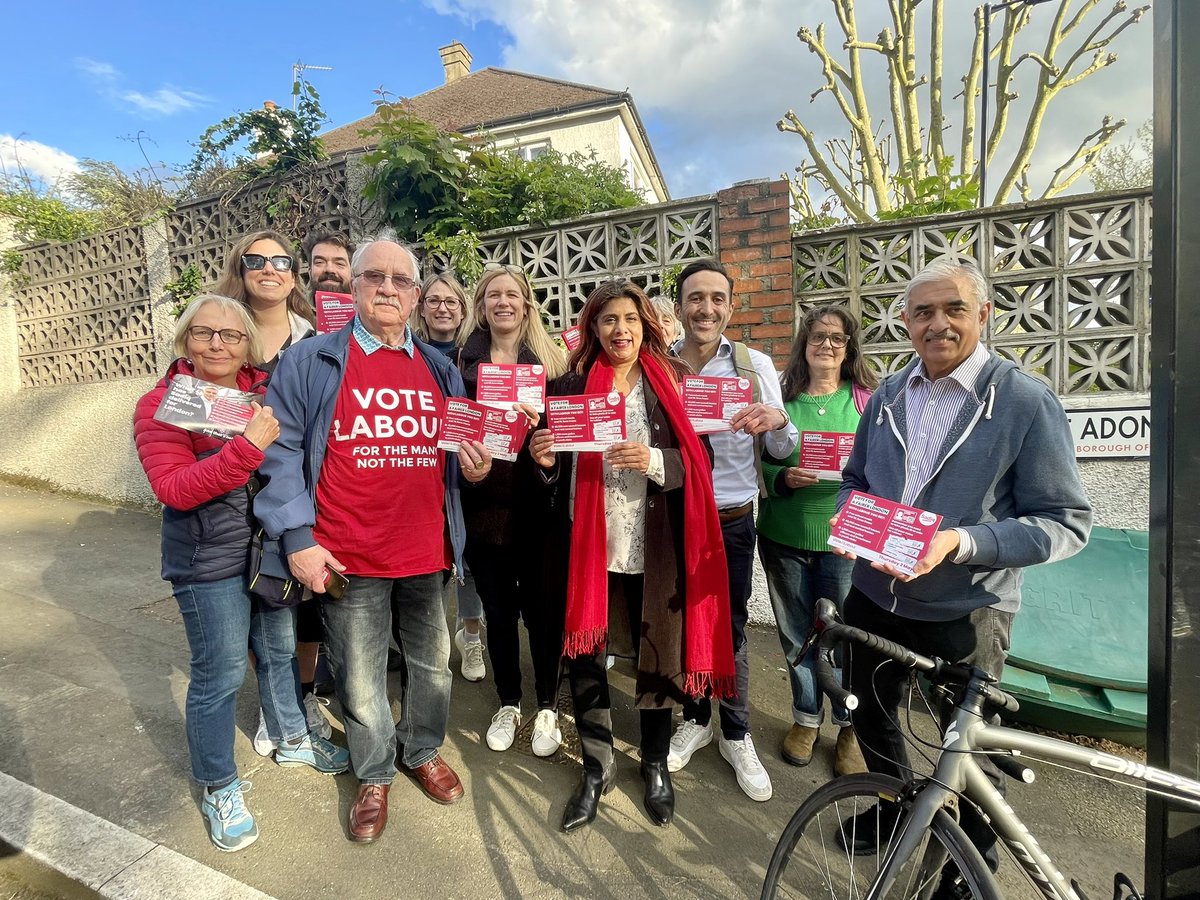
(825, 452)
(502, 385)
(710, 403)
(586, 422)
(572, 337)
(333, 310)
(208, 408)
(502, 432)
(884, 531)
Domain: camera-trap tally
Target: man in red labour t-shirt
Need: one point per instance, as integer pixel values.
(357, 485)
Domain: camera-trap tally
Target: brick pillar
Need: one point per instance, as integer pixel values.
(755, 239)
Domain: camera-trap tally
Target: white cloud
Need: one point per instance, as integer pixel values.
(712, 77)
(165, 101)
(37, 160)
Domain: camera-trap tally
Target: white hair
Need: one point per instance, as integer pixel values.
(385, 237)
(963, 271)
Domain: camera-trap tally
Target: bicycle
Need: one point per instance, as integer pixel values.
(872, 836)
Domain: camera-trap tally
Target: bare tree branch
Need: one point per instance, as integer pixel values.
(1083, 157)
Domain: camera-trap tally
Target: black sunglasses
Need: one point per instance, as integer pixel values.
(256, 261)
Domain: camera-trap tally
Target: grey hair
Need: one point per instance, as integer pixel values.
(961, 270)
(228, 304)
(387, 236)
(664, 308)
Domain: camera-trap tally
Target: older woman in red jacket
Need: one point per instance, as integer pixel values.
(205, 484)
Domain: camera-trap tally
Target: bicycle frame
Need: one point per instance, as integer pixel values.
(958, 772)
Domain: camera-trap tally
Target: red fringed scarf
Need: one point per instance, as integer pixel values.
(708, 642)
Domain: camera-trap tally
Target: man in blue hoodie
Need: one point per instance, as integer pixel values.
(967, 435)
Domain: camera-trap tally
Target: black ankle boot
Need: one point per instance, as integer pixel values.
(581, 808)
(660, 796)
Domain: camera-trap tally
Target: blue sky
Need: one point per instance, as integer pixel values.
(710, 77)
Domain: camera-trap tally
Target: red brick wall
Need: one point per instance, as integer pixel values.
(755, 238)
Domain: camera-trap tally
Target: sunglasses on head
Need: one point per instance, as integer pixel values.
(256, 261)
(515, 271)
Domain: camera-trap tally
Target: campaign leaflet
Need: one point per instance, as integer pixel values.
(210, 409)
(586, 422)
(501, 431)
(825, 452)
(710, 403)
(502, 385)
(884, 531)
(333, 310)
(571, 337)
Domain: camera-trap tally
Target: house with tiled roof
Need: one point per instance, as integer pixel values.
(530, 114)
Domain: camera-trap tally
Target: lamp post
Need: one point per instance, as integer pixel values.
(988, 9)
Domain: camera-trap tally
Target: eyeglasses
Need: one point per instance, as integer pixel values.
(835, 340)
(256, 261)
(448, 303)
(515, 271)
(376, 279)
(204, 334)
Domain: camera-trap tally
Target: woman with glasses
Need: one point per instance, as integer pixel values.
(444, 320)
(205, 485)
(261, 272)
(506, 525)
(825, 383)
(645, 575)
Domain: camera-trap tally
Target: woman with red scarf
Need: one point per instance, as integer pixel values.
(622, 509)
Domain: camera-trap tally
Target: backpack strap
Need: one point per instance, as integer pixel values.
(744, 366)
(861, 395)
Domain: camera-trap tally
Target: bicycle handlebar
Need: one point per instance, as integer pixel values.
(832, 630)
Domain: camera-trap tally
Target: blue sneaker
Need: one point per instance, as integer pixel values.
(327, 758)
(230, 825)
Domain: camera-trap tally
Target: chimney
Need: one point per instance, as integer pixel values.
(456, 59)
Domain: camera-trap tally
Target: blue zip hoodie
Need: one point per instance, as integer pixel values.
(303, 393)
(1006, 474)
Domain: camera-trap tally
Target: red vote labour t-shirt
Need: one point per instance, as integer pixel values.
(380, 494)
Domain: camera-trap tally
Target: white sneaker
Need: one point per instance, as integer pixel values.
(687, 739)
(263, 745)
(503, 730)
(473, 668)
(547, 737)
(751, 776)
(317, 723)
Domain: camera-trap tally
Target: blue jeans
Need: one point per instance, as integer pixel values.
(469, 605)
(796, 580)
(220, 622)
(356, 639)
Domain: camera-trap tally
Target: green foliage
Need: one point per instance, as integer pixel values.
(184, 288)
(118, 198)
(1127, 165)
(434, 183)
(940, 192)
(462, 250)
(262, 143)
(41, 215)
(418, 173)
(670, 281)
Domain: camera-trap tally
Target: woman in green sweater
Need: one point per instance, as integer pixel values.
(825, 386)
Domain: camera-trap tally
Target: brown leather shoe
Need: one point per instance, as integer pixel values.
(848, 758)
(438, 781)
(368, 815)
(798, 745)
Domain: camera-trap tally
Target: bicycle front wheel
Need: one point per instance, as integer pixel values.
(837, 842)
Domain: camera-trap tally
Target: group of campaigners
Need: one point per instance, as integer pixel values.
(641, 551)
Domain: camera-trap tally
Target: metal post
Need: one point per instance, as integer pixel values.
(983, 112)
(1173, 720)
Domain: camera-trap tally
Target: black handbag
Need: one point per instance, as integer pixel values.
(270, 580)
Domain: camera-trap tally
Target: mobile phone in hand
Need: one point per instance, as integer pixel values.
(335, 583)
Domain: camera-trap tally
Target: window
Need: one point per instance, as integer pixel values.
(530, 152)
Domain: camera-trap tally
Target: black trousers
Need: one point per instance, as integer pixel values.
(511, 594)
(593, 707)
(980, 638)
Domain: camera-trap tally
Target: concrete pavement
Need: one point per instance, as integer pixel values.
(93, 671)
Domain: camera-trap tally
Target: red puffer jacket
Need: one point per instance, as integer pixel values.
(204, 484)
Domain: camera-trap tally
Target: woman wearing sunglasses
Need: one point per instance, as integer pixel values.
(505, 524)
(646, 575)
(205, 485)
(261, 272)
(825, 383)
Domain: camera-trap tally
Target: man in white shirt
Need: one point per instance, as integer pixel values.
(704, 304)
